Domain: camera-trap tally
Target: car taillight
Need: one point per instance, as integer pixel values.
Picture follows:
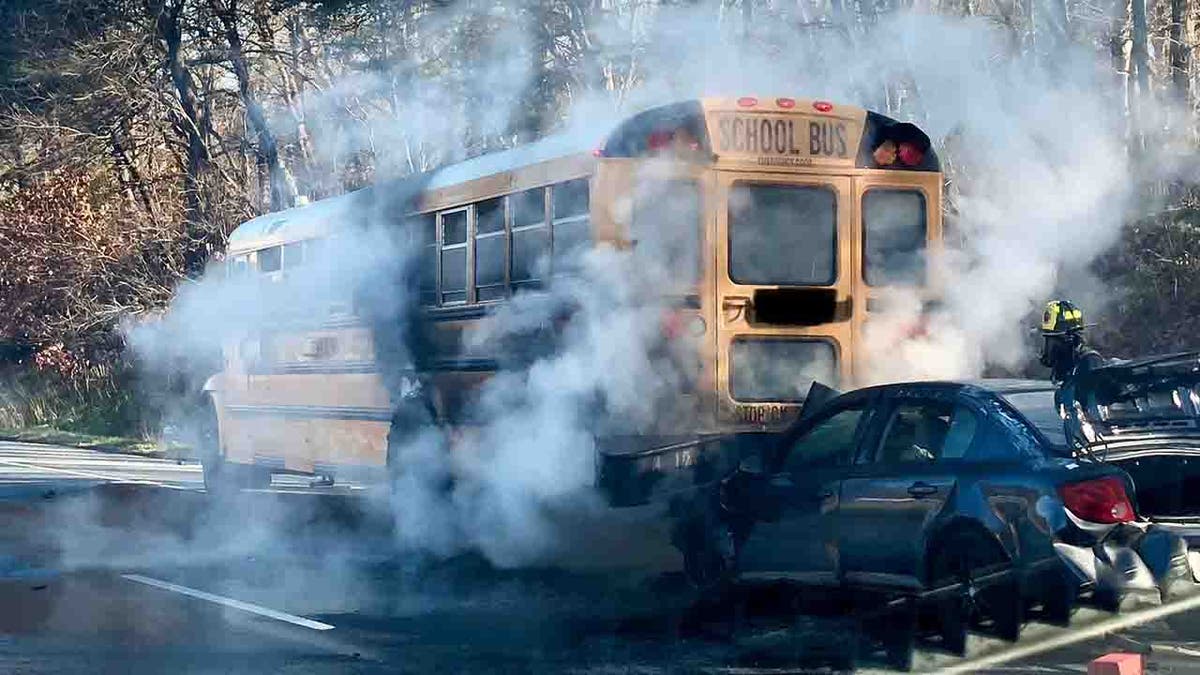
(1098, 501)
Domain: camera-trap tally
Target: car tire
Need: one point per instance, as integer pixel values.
(1058, 594)
(964, 564)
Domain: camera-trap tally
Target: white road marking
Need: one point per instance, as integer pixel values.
(1175, 648)
(229, 602)
(90, 474)
(1071, 637)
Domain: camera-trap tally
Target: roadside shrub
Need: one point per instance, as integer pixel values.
(66, 391)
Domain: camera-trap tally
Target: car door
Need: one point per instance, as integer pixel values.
(799, 542)
(899, 484)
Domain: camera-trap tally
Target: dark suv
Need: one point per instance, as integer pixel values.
(967, 493)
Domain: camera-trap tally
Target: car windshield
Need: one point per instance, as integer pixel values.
(1038, 407)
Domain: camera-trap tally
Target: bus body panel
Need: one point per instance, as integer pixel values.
(742, 326)
(316, 398)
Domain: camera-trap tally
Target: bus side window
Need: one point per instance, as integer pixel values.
(293, 255)
(572, 229)
(491, 248)
(530, 238)
(422, 236)
(454, 256)
(894, 236)
(239, 266)
(270, 259)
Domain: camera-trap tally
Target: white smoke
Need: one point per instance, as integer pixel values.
(1042, 186)
(1035, 144)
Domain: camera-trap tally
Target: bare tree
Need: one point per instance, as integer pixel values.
(1180, 51)
(282, 186)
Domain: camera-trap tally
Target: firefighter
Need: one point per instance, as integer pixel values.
(1064, 350)
(1067, 355)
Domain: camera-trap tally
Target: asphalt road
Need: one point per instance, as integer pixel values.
(111, 563)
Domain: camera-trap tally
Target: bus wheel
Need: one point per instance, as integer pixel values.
(217, 476)
(222, 477)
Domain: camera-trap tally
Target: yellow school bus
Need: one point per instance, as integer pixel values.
(789, 218)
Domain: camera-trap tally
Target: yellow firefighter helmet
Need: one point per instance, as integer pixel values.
(1061, 317)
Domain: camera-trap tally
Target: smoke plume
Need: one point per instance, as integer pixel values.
(1041, 184)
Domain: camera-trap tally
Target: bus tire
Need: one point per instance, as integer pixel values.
(220, 475)
(212, 456)
(217, 476)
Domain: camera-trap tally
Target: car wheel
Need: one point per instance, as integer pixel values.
(1058, 594)
(978, 589)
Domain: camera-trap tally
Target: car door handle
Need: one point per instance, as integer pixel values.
(920, 489)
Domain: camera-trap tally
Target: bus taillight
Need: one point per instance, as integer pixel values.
(885, 154)
(889, 152)
(910, 154)
(888, 144)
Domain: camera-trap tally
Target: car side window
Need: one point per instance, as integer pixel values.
(830, 443)
(926, 431)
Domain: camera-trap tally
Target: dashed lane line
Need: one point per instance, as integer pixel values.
(229, 602)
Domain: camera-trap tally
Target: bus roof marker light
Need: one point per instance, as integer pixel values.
(598, 152)
(822, 106)
(786, 103)
(747, 102)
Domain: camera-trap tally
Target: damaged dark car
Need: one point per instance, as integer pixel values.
(989, 501)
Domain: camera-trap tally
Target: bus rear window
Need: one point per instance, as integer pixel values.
(894, 234)
(779, 369)
(782, 235)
